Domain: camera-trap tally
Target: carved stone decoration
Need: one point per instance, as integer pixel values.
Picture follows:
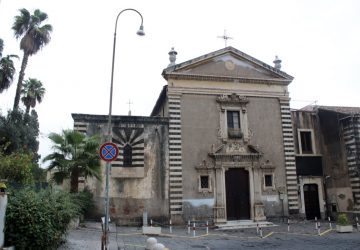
(267, 165)
(233, 99)
(235, 147)
(204, 165)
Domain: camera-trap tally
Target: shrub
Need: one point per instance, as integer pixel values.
(342, 220)
(84, 200)
(38, 220)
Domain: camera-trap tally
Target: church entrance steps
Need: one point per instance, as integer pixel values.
(239, 224)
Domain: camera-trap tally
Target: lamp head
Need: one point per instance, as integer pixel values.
(141, 32)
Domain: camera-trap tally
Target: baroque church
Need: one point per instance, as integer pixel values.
(218, 145)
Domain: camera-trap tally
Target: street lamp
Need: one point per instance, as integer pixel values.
(140, 32)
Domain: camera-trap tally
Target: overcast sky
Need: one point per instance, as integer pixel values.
(317, 41)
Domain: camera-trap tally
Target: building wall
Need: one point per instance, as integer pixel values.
(265, 123)
(335, 163)
(133, 190)
(200, 122)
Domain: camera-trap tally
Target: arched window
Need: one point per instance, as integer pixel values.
(127, 156)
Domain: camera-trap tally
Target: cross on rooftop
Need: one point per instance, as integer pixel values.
(225, 37)
(129, 106)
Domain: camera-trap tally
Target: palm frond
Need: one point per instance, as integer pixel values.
(21, 23)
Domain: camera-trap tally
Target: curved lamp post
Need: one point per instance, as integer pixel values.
(140, 32)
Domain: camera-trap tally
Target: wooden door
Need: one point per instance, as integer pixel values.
(237, 194)
(311, 200)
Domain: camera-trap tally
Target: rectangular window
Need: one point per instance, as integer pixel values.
(233, 119)
(233, 124)
(268, 180)
(204, 182)
(306, 142)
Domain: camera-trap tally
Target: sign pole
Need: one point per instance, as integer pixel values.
(108, 152)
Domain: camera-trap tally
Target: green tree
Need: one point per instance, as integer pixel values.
(17, 167)
(7, 69)
(32, 92)
(74, 155)
(19, 132)
(33, 36)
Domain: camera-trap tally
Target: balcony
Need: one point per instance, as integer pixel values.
(235, 133)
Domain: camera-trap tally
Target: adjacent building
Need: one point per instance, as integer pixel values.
(327, 146)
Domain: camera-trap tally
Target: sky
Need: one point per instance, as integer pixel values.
(317, 41)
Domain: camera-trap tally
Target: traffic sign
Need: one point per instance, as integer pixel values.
(109, 151)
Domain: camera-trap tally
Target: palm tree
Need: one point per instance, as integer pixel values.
(33, 38)
(32, 92)
(74, 155)
(7, 69)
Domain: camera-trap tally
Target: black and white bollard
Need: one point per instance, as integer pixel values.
(170, 227)
(318, 227)
(207, 227)
(151, 223)
(194, 230)
(288, 222)
(260, 230)
(357, 223)
(330, 226)
(257, 228)
(188, 226)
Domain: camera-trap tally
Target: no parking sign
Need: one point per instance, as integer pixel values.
(109, 151)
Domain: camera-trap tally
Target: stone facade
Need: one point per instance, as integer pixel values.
(141, 185)
(200, 99)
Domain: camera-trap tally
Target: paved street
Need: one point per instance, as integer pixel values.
(302, 235)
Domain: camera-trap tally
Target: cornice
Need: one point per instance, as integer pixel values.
(182, 76)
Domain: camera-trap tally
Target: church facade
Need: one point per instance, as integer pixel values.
(219, 144)
(231, 149)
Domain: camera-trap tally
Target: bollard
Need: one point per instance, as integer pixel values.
(330, 226)
(316, 223)
(260, 230)
(207, 227)
(357, 223)
(170, 227)
(145, 219)
(288, 222)
(318, 226)
(257, 228)
(194, 231)
(151, 224)
(159, 246)
(150, 243)
(188, 226)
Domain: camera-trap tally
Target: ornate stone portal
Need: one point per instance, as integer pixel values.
(237, 155)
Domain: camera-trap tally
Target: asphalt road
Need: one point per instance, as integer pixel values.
(302, 235)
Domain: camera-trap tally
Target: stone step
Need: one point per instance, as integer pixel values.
(240, 224)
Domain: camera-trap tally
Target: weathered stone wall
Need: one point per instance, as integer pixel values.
(134, 190)
(200, 123)
(265, 123)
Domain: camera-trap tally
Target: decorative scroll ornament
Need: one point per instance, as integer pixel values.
(232, 99)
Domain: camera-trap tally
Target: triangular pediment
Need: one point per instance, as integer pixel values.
(227, 63)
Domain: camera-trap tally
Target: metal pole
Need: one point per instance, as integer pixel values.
(108, 164)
